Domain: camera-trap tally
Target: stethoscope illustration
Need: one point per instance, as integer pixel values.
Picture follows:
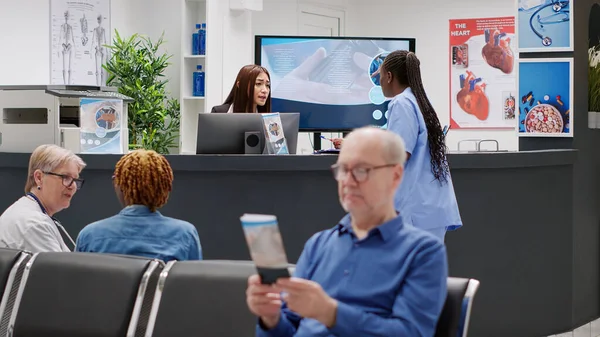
(560, 15)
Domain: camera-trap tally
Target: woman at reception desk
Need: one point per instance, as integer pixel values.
(250, 93)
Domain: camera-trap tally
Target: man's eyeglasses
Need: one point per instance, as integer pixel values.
(359, 174)
(67, 181)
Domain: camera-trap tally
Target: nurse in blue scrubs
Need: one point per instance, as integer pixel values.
(426, 195)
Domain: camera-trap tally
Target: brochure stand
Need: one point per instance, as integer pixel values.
(275, 142)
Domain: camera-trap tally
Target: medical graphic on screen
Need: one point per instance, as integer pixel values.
(332, 82)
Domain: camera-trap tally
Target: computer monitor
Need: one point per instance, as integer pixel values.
(224, 133)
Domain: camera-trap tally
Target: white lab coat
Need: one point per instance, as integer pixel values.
(24, 226)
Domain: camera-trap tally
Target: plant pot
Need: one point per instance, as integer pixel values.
(593, 120)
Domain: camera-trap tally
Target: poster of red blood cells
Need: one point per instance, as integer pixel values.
(482, 73)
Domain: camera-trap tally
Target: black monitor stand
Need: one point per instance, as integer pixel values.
(317, 141)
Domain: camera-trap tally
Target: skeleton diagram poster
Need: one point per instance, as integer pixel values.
(79, 33)
(482, 73)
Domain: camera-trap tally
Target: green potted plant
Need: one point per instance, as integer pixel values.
(594, 86)
(137, 69)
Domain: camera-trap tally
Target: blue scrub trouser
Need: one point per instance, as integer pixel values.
(439, 233)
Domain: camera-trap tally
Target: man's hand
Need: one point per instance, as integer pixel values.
(308, 299)
(264, 301)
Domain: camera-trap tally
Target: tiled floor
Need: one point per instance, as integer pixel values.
(588, 330)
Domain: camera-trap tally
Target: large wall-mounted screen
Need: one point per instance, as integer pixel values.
(331, 81)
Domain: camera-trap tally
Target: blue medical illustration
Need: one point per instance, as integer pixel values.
(544, 24)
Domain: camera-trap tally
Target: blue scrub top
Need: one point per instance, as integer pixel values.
(421, 199)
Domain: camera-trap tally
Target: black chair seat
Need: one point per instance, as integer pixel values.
(85, 295)
(204, 298)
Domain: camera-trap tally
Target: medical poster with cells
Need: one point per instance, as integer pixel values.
(103, 127)
(545, 25)
(79, 33)
(482, 73)
(546, 97)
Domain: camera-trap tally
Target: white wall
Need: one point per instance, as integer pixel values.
(427, 21)
(25, 58)
(229, 41)
(232, 39)
(238, 42)
(278, 17)
(152, 18)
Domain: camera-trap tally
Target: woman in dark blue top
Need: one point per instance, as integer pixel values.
(143, 180)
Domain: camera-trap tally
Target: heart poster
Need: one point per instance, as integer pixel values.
(482, 73)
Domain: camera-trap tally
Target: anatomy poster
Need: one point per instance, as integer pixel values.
(482, 73)
(545, 25)
(80, 31)
(102, 125)
(545, 97)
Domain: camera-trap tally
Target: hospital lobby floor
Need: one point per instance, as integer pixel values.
(591, 329)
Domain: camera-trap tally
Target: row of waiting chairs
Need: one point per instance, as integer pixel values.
(98, 295)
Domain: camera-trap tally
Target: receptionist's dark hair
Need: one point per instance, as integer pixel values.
(241, 96)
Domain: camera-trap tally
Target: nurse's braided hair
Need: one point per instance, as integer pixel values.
(145, 178)
(405, 66)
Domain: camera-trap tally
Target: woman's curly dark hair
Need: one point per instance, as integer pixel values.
(405, 66)
(145, 177)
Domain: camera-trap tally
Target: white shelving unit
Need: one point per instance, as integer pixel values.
(194, 12)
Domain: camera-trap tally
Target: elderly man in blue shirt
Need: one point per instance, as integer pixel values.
(370, 275)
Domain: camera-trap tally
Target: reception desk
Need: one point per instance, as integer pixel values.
(517, 210)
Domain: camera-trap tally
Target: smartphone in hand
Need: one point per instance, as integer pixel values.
(266, 246)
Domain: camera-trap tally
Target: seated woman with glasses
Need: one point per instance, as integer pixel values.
(52, 181)
(143, 180)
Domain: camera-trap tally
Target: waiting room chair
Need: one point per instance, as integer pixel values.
(84, 295)
(12, 267)
(465, 317)
(454, 320)
(202, 298)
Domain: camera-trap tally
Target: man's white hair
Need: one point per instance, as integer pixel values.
(392, 145)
